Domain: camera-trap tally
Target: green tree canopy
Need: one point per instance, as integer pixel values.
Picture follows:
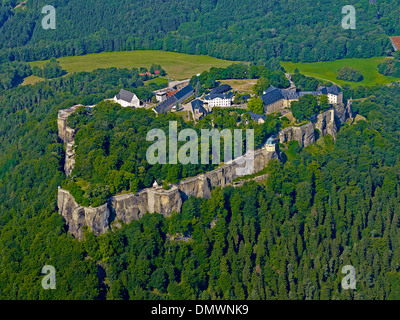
(261, 85)
(349, 74)
(256, 105)
(305, 107)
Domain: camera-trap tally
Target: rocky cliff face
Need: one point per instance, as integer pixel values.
(66, 134)
(343, 112)
(197, 187)
(128, 207)
(304, 135)
(121, 209)
(325, 123)
(77, 217)
(164, 201)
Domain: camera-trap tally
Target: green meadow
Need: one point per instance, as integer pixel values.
(181, 66)
(329, 70)
(158, 80)
(178, 66)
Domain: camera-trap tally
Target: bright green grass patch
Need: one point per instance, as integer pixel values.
(185, 115)
(157, 81)
(329, 70)
(179, 66)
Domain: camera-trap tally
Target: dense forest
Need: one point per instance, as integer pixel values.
(13, 73)
(390, 67)
(333, 203)
(50, 69)
(330, 204)
(231, 29)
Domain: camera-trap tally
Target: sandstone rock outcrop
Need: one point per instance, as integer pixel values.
(197, 187)
(342, 112)
(164, 201)
(128, 207)
(67, 135)
(77, 217)
(325, 123)
(305, 135)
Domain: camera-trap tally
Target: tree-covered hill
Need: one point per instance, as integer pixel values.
(331, 204)
(231, 29)
(111, 149)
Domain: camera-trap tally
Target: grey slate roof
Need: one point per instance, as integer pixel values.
(270, 88)
(271, 95)
(255, 116)
(332, 90)
(210, 96)
(181, 95)
(302, 93)
(289, 94)
(166, 105)
(221, 89)
(270, 141)
(125, 95)
(184, 93)
(198, 104)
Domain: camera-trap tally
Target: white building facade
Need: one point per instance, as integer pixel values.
(127, 99)
(335, 98)
(219, 100)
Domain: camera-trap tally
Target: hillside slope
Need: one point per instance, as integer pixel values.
(229, 29)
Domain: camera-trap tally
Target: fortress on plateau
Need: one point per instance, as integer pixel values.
(127, 207)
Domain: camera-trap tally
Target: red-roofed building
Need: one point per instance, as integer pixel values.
(157, 72)
(147, 73)
(171, 93)
(395, 42)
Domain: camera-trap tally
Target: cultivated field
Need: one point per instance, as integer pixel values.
(179, 66)
(241, 85)
(329, 70)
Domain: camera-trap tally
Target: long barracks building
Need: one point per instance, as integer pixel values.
(178, 97)
(275, 99)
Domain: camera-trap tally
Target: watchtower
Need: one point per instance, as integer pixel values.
(270, 144)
